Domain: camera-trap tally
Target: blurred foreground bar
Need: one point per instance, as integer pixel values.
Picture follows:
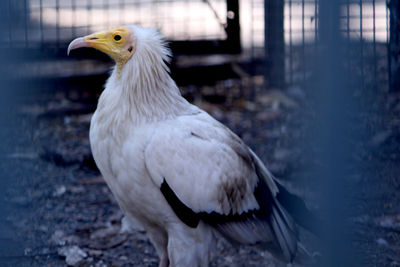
(274, 44)
(332, 132)
(394, 44)
(11, 247)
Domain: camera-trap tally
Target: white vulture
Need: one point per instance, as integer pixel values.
(184, 176)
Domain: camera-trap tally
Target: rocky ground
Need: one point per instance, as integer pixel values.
(60, 212)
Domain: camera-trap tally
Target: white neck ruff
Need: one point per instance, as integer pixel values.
(144, 92)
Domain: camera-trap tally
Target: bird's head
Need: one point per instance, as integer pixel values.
(119, 43)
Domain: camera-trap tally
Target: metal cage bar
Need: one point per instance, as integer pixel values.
(51, 24)
(362, 24)
(291, 30)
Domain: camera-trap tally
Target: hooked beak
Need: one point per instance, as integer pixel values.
(100, 40)
(77, 43)
(119, 43)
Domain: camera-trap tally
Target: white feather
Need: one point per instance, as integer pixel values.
(144, 131)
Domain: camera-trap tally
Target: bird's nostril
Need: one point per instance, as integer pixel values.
(93, 38)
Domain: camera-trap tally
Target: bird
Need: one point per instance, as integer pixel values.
(185, 177)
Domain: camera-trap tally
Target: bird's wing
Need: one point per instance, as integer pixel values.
(208, 170)
(207, 173)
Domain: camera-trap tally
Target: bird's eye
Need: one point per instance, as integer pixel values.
(117, 37)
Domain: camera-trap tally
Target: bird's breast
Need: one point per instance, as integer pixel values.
(121, 162)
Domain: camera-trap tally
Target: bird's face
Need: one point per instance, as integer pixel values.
(119, 43)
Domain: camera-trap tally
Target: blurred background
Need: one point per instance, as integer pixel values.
(279, 35)
(312, 86)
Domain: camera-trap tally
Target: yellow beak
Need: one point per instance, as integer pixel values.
(119, 43)
(100, 40)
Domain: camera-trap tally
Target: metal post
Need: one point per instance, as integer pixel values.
(233, 26)
(394, 45)
(332, 132)
(274, 44)
(11, 245)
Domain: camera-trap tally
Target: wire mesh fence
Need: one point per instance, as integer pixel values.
(364, 26)
(43, 23)
(59, 21)
(281, 37)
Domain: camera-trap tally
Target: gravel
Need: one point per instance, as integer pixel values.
(60, 212)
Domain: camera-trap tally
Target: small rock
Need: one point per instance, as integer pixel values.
(43, 228)
(61, 239)
(129, 224)
(109, 241)
(27, 251)
(116, 217)
(265, 116)
(76, 189)
(275, 99)
(86, 118)
(20, 200)
(67, 120)
(282, 154)
(229, 259)
(277, 168)
(73, 255)
(33, 110)
(389, 221)
(58, 237)
(362, 219)
(251, 106)
(100, 264)
(95, 252)
(386, 222)
(380, 138)
(60, 190)
(110, 230)
(381, 242)
(296, 92)
(123, 258)
(25, 155)
(45, 251)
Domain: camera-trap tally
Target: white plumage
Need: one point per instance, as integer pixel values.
(180, 173)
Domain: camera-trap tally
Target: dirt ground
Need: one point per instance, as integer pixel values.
(60, 212)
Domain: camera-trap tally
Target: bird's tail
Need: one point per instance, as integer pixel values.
(285, 233)
(298, 210)
(304, 257)
(284, 211)
(287, 246)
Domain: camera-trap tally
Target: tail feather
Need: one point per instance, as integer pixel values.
(298, 210)
(304, 256)
(284, 231)
(283, 228)
(271, 225)
(286, 210)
